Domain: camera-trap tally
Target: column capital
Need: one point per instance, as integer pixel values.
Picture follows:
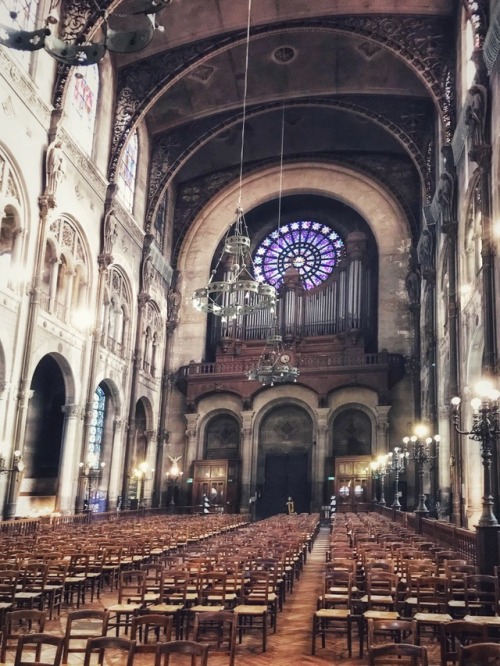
(71, 411)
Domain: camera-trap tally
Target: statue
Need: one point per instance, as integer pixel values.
(54, 166)
(426, 251)
(174, 303)
(445, 196)
(475, 117)
(412, 284)
(147, 274)
(110, 231)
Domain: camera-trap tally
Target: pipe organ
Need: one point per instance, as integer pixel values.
(341, 306)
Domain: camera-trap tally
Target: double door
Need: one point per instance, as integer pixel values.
(353, 483)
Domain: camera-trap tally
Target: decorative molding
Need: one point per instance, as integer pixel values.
(425, 43)
(407, 122)
(85, 167)
(491, 46)
(22, 85)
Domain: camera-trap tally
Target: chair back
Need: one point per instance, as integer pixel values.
(458, 633)
(112, 644)
(480, 654)
(44, 645)
(143, 626)
(82, 625)
(398, 631)
(197, 651)
(218, 630)
(405, 653)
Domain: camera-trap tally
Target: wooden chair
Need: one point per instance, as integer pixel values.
(160, 626)
(131, 594)
(404, 653)
(459, 633)
(81, 625)
(32, 580)
(110, 645)
(197, 651)
(333, 609)
(391, 631)
(57, 572)
(48, 650)
(481, 595)
(17, 624)
(253, 612)
(480, 654)
(218, 629)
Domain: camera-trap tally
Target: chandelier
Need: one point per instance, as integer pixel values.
(127, 31)
(275, 364)
(239, 293)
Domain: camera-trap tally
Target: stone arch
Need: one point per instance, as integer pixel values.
(380, 210)
(352, 433)
(221, 436)
(285, 458)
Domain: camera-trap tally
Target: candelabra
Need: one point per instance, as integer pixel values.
(90, 471)
(382, 472)
(485, 429)
(17, 463)
(375, 477)
(397, 464)
(420, 452)
(174, 477)
(142, 473)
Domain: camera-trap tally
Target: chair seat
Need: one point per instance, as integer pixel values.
(123, 608)
(204, 609)
(381, 615)
(437, 618)
(378, 599)
(165, 608)
(493, 620)
(333, 613)
(250, 609)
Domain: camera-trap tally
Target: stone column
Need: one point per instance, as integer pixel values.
(68, 468)
(248, 464)
(319, 455)
(150, 459)
(116, 464)
(54, 274)
(382, 442)
(191, 447)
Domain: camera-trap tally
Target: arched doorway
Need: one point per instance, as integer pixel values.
(284, 461)
(42, 444)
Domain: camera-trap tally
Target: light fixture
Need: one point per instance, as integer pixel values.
(17, 463)
(397, 464)
(274, 365)
(121, 33)
(239, 292)
(421, 453)
(485, 428)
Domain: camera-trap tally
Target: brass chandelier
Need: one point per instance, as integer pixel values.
(275, 363)
(239, 292)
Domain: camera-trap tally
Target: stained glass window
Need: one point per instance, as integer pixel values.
(97, 426)
(311, 247)
(127, 173)
(82, 104)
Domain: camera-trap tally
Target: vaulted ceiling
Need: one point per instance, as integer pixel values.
(372, 89)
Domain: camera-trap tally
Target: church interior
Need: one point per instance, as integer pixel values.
(248, 251)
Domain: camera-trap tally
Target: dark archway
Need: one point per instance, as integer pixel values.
(44, 429)
(222, 438)
(284, 461)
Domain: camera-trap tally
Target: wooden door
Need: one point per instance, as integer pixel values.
(286, 475)
(353, 483)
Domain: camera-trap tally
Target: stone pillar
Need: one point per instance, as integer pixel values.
(247, 472)
(68, 467)
(446, 468)
(191, 446)
(382, 427)
(151, 460)
(54, 274)
(116, 464)
(319, 455)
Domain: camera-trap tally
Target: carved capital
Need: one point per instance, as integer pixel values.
(71, 411)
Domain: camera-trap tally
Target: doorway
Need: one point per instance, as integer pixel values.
(286, 475)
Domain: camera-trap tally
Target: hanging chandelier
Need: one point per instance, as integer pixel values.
(275, 363)
(126, 31)
(240, 293)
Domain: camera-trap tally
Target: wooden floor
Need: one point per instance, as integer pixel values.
(289, 646)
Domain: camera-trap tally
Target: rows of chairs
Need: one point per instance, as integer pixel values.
(382, 579)
(216, 583)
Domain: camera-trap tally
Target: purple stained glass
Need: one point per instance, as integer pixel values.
(312, 248)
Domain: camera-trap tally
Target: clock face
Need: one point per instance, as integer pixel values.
(284, 358)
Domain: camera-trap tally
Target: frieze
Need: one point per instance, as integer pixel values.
(85, 167)
(491, 46)
(24, 88)
(408, 122)
(425, 43)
